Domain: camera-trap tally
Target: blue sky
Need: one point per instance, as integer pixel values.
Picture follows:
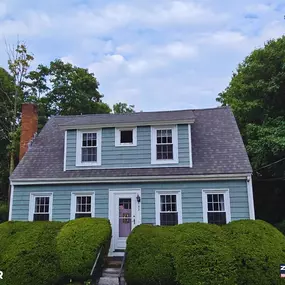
(157, 55)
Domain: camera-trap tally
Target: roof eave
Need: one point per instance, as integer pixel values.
(129, 124)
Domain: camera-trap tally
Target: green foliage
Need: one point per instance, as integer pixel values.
(201, 255)
(149, 260)
(256, 95)
(122, 108)
(4, 212)
(27, 253)
(78, 243)
(258, 249)
(242, 253)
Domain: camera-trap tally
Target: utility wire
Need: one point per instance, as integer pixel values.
(265, 166)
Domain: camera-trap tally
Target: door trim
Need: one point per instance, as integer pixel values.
(113, 216)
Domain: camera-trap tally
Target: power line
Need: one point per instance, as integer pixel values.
(265, 166)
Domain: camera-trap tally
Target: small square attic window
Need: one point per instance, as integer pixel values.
(126, 137)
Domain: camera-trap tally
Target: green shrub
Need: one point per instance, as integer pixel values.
(78, 243)
(281, 227)
(4, 212)
(202, 256)
(259, 249)
(27, 253)
(149, 259)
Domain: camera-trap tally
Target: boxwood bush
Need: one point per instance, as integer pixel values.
(149, 259)
(202, 255)
(77, 244)
(259, 249)
(27, 253)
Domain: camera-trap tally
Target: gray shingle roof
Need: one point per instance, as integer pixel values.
(217, 148)
(145, 117)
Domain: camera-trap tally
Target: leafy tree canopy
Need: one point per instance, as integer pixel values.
(121, 108)
(256, 94)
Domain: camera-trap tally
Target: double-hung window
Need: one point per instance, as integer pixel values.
(88, 147)
(168, 208)
(82, 205)
(216, 206)
(40, 208)
(164, 145)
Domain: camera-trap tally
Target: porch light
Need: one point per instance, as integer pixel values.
(138, 198)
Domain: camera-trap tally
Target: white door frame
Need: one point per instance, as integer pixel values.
(113, 216)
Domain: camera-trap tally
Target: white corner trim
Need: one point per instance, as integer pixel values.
(74, 194)
(157, 204)
(227, 202)
(190, 146)
(11, 202)
(118, 137)
(250, 198)
(33, 196)
(174, 141)
(79, 147)
(65, 151)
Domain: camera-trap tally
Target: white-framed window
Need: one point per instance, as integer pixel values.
(168, 207)
(126, 137)
(40, 208)
(82, 205)
(164, 145)
(88, 147)
(216, 206)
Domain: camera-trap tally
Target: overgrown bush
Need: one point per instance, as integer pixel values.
(28, 253)
(202, 255)
(149, 260)
(78, 243)
(4, 212)
(241, 253)
(259, 249)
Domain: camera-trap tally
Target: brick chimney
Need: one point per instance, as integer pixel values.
(29, 126)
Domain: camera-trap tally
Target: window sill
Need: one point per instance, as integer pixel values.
(88, 164)
(170, 161)
(125, 145)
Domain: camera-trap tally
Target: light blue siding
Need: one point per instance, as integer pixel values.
(128, 156)
(191, 198)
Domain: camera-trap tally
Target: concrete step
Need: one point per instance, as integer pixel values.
(108, 281)
(111, 272)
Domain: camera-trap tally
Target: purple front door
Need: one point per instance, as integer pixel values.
(125, 216)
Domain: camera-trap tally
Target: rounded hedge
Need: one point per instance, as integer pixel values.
(258, 249)
(202, 256)
(149, 259)
(27, 253)
(77, 245)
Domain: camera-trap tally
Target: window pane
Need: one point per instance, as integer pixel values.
(41, 217)
(41, 205)
(218, 218)
(89, 154)
(83, 204)
(215, 197)
(210, 207)
(168, 219)
(162, 198)
(127, 136)
(210, 197)
(173, 198)
(168, 197)
(82, 215)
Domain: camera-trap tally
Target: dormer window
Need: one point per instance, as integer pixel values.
(88, 148)
(164, 145)
(126, 137)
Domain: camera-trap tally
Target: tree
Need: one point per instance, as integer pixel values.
(256, 95)
(64, 89)
(121, 108)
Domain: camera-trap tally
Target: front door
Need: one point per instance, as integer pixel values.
(124, 216)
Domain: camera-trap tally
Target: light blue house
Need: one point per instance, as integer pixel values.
(160, 168)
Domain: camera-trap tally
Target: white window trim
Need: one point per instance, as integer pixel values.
(33, 196)
(190, 145)
(227, 202)
(174, 141)
(73, 202)
(79, 147)
(118, 137)
(157, 204)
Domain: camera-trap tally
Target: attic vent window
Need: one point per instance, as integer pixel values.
(126, 137)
